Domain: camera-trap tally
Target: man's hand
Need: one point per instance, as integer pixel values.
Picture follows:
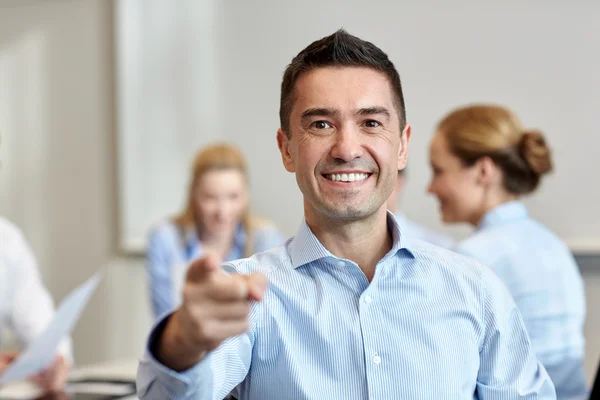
(215, 307)
(53, 378)
(6, 359)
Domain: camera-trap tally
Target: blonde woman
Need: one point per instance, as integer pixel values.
(483, 162)
(215, 219)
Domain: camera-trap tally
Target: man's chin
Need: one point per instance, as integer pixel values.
(349, 213)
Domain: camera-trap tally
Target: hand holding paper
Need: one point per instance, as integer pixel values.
(6, 359)
(54, 377)
(42, 352)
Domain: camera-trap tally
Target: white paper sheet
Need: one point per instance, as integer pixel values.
(40, 354)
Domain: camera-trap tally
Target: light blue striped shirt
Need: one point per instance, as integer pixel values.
(170, 251)
(432, 324)
(542, 276)
(414, 230)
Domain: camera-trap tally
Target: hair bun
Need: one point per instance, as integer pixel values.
(535, 151)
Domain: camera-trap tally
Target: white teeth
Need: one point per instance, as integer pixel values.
(352, 177)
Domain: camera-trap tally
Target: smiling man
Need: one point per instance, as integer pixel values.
(353, 309)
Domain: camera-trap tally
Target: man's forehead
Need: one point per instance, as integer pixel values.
(348, 76)
(343, 88)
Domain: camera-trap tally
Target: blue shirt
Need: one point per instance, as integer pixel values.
(432, 324)
(414, 230)
(542, 276)
(169, 253)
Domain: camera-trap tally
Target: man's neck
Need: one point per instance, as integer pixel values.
(364, 241)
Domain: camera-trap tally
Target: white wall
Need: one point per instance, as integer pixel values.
(167, 104)
(57, 144)
(58, 179)
(540, 59)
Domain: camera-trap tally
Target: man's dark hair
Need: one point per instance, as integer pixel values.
(340, 49)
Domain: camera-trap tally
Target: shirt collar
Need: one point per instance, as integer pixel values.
(504, 213)
(306, 248)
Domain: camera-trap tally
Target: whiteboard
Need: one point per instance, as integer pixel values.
(192, 72)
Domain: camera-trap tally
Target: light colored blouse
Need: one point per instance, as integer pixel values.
(544, 280)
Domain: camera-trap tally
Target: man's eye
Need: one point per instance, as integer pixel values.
(372, 124)
(320, 125)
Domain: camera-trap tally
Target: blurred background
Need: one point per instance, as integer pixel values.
(103, 103)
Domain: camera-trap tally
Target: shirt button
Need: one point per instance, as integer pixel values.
(368, 299)
(377, 360)
(341, 264)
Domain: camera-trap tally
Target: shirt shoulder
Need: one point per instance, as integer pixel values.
(500, 245)
(441, 258)
(456, 275)
(12, 239)
(518, 240)
(164, 234)
(463, 277)
(164, 228)
(267, 236)
(486, 245)
(9, 232)
(263, 227)
(165, 242)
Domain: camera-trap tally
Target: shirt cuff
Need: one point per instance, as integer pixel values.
(197, 379)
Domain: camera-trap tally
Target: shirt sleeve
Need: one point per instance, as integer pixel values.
(33, 308)
(212, 378)
(267, 238)
(158, 269)
(508, 368)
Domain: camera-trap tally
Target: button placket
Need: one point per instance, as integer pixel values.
(376, 359)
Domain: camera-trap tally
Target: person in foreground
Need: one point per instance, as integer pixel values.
(483, 161)
(26, 307)
(216, 219)
(349, 308)
(410, 227)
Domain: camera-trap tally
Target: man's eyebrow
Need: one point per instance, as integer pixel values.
(320, 112)
(373, 111)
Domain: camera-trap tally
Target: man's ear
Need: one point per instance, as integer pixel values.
(283, 142)
(403, 149)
